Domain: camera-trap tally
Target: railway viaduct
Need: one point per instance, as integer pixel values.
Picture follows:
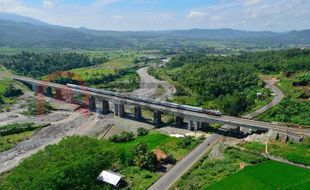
(196, 120)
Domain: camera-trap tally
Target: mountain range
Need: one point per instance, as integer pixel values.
(24, 32)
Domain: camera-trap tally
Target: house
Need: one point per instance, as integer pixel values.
(160, 155)
(111, 178)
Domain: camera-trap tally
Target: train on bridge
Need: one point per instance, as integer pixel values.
(161, 103)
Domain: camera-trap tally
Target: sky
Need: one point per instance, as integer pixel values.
(133, 15)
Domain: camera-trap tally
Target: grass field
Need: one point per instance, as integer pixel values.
(211, 170)
(268, 175)
(9, 141)
(294, 152)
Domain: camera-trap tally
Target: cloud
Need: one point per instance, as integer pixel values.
(278, 15)
(193, 14)
(252, 2)
(48, 3)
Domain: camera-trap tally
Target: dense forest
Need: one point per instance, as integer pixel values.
(35, 64)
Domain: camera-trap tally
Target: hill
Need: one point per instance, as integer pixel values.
(21, 32)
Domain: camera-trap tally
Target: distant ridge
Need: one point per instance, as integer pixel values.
(21, 19)
(20, 31)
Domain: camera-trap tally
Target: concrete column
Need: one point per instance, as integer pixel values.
(179, 121)
(92, 103)
(58, 94)
(40, 89)
(69, 97)
(116, 109)
(105, 107)
(205, 126)
(121, 110)
(138, 113)
(197, 125)
(48, 91)
(157, 118)
(34, 88)
(190, 125)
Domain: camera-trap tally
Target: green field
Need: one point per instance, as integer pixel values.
(295, 152)
(268, 175)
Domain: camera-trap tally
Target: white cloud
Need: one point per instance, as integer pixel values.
(193, 14)
(280, 15)
(252, 2)
(48, 3)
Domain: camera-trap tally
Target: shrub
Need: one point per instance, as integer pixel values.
(141, 131)
(123, 137)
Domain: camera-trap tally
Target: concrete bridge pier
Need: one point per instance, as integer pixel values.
(92, 103)
(58, 94)
(157, 118)
(121, 110)
(49, 91)
(69, 97)
(34, 89)
(179, 121)
(205, 126)
(105, 107)
(193, 125)
(138, 113)
(116, 109)
(190, 124)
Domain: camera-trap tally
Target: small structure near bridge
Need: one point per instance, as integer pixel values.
(112, 178)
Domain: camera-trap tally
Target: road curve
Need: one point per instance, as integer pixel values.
(277, 99)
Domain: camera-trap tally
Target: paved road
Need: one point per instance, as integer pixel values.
(277, 99)
(185, 164)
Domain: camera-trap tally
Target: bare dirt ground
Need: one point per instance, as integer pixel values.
(63, 122)
(149, 86)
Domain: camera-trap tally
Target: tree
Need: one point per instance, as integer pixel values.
(143, 158)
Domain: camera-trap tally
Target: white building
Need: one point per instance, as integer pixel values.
(110, 177)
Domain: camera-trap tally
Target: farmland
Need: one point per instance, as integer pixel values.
(268, 175)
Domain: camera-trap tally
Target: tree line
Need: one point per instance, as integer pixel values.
(40, 64)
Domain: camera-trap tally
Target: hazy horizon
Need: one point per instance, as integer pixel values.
(160, 15)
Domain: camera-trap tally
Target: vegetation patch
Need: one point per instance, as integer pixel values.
(295, 152)
(8, 92)
(40, 64)
(208, 171)
(38, 107)
(268, 175)
(11, 134)
(295, 108)
(76, 162)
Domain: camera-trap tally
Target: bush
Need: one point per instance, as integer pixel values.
(141, 131)
(18, 128)
(186, 142)
(38, 108)
(123, 137)
(11, 91)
